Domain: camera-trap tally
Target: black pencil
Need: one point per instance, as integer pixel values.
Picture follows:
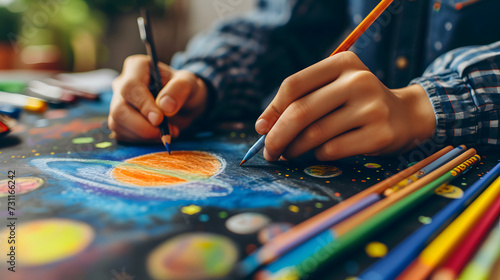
(155, 84)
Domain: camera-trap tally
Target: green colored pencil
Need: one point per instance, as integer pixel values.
(359, 234)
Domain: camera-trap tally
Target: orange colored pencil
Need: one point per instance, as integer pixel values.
(316, 221)
(345, 226)
(363, 26)
(344, 46)
(452, 267)
(443, 245)
(316, 224)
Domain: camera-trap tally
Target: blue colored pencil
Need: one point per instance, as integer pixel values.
(350, 232)
(254, 149)
(333, 215)
(402, 255)
(252, 262)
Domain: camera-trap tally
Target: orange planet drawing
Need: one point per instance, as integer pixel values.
(160, 169)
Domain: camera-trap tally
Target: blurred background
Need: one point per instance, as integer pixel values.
(84, 35)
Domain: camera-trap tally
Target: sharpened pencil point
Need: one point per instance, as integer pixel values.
(166, 139)
(243, 161)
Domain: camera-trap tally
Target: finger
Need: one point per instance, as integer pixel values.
(138, 96)
(136, 67)
(326, 128)
(127, 118)
(355, 142)
(305, 81)
(173, 96)
(305, 111)
(123, 134)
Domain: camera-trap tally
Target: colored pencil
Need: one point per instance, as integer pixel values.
(454, 265)
(6, 124)
(23, 101)
(322, 221)
(422, 172)
(344, 46)
(341, 235)
(495, 271)
(481, 265)
(254, 149)
(441, 247)
(405, 252)
(155, 83)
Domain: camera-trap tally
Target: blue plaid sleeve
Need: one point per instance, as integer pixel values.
(243, 60)
(463, 86)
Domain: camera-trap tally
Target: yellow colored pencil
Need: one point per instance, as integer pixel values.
(441, 247)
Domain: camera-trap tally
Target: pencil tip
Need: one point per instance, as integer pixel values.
(166, 139)
(243, 161)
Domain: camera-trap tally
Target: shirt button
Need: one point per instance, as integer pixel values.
(401, 62)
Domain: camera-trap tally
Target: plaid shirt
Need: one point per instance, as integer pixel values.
(244, 60)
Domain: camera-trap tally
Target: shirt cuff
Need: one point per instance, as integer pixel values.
(454, 108)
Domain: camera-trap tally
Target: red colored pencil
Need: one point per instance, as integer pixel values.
(452, 267)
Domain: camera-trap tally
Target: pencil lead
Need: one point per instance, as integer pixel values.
(243, 161)
(166, 139)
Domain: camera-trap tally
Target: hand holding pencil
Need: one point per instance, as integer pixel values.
(135, 113)
(338, 108)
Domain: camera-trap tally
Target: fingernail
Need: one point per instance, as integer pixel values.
(154, 118)
(168, 104)
(261, 126)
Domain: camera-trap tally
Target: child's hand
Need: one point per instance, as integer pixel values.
(135, 114)
(338, 108)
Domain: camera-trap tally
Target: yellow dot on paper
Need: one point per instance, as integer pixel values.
(191, 209)
(293, 208)
(33, 151)
(83, 140)
(372, 165)
(450, 191)
(376, 249)
(103, 145)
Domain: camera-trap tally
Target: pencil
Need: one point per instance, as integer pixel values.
(23, 101)
(405, 252)
(6, 124)
(429, 168)
(345, 45)
(441, 247)
(483, 262)
(155, 83)
(322, 221)
(454, 265)
(254, 149)
(325, 243)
